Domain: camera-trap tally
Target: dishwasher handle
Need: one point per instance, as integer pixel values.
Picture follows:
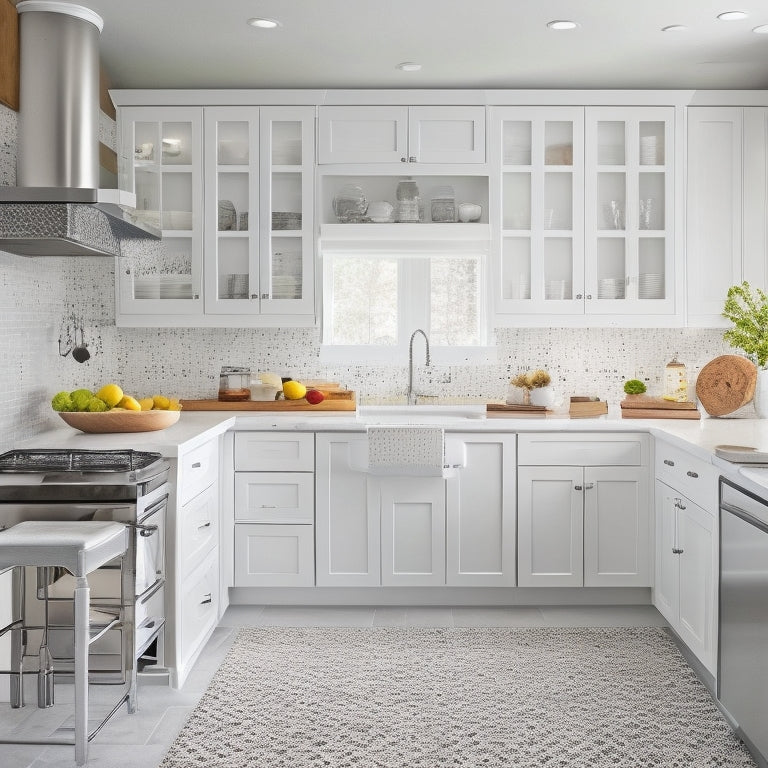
(745, 516)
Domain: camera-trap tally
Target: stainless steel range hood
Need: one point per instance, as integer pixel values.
(57, 208)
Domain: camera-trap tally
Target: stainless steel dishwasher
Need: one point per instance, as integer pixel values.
(742, 679)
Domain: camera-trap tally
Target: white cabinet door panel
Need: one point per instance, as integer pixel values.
(480, 509)
(274, 497)
(274, 452)
(412, 530)
(550, 527)
(447, 134)
(347, 527)
(274, 555)
(362, 134)
(616, 527)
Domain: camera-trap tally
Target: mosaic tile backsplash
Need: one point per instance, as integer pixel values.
(41, 298)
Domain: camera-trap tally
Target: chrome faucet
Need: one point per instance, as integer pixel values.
(411, 393)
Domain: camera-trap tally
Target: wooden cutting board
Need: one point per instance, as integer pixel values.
(726, 384)
(659, 403)
(281, 406)
(659, 413)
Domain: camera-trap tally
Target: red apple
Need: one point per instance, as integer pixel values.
(314, 396)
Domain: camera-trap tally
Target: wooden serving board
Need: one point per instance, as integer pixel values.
(658, 403)
(725, 384)
(280, 406)
(659, 413)
(504, 408)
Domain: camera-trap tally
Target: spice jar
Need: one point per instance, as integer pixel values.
(443, 204)
(675, 381)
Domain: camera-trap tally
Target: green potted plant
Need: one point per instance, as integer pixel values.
(747, 309)
(634, 388)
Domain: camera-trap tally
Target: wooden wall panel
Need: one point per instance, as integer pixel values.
(9, 55)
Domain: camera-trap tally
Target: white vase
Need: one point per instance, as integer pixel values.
(761, 394)
(543, 396)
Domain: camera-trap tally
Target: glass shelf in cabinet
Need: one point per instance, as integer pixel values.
(233, 168)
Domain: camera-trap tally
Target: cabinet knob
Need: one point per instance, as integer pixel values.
(578, 488)
(589, 295)
(196, 296)
(589, 486)
(691, 473)
(254, 295)
(669, 462)
(579, 296)
(676, 551)
(412, 159)
(403, 160)
(264, 295)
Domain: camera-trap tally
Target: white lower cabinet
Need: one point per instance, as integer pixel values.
(686, 571)
(416, 531)
(274, 511)
(412, 512)
(583, 525)
(199, 607)
(273, 555)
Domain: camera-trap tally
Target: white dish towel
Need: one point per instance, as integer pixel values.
(408, 450)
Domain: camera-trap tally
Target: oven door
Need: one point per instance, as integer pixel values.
(150, 545)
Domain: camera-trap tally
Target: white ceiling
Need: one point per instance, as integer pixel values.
(460, 44)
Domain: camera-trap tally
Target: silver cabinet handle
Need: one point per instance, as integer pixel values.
(403, 160)
(589, 295)
(691, 473)
(676, 551)
(254, 295)
(679, 504)
(264, 295)
(204, 525)
(669, 462)
(579, 296)
(589, 486)
(578, 488)
(207, 598)
(412, 159)
(197, 465)
(268, 506)
(196, 296)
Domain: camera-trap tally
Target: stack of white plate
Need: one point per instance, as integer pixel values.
(519, 290)
(286, 287)
(163, 287)
(517, 154)
(651, 286)
(610, 288)
(557, 289)
(610, 154)
(648, 153)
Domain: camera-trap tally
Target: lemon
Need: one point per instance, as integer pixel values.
(161, 402)
(294, 390)
(146, 403)
(129, 403)
(111, 394)
(174, 405)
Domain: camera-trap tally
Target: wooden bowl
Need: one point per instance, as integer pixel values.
(120, 421)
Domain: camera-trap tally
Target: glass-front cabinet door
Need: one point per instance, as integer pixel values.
(539, 198)
(629, 210)
(258, 244)
(162, 163)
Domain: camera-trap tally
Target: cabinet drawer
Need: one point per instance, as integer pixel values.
(274, 452)
(198, 528)
(275, 497)
(198, 469)
(691, 476)
(580, 450)
(274, 555)
(199, 605)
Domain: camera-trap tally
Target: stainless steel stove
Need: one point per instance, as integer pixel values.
(127, 486)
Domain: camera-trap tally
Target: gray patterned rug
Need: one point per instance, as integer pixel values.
(427, 698)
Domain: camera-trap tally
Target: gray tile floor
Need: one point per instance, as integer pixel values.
(141, 740)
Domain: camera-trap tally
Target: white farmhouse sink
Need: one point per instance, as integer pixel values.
(419, 414)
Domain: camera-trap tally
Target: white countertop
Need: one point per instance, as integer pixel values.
(699, 437)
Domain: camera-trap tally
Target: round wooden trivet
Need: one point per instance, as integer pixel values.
(725, 384)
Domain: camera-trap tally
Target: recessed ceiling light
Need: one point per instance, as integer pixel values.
(675, 28)
(562, 24)
(761, 30)
(732, 16)
(263, 23)
(408, 66)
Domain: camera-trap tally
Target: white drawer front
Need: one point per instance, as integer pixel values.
(691, 476)
(581, 450)
(198, 528)
(199, 605)
(275, 497)
(274, 555)
(198, 468)
(274, 452)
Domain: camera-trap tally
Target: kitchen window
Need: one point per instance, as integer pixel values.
(373, 300)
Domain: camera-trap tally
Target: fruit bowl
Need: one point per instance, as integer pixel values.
(120, 421)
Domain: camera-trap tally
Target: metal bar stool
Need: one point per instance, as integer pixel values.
(80, 547)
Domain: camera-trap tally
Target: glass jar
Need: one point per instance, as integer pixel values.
(675, 381)
(443, 205)
(408, 205)
(350, 204)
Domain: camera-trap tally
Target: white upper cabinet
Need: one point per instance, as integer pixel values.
(727, 206)
(162, 148)
(395, 134)
(584, 202)
(233, 189)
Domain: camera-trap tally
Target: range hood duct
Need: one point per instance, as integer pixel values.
(57, 208)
